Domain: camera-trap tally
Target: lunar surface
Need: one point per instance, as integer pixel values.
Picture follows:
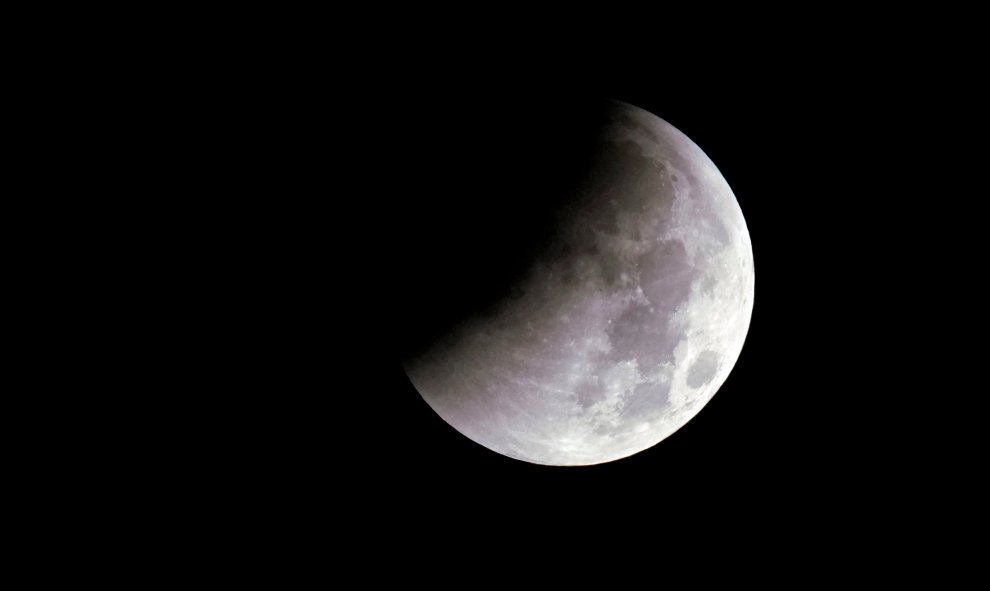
(623, 328)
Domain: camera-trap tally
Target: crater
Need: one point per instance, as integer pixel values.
(703, 369)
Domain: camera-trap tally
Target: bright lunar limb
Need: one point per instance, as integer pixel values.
(624, 328)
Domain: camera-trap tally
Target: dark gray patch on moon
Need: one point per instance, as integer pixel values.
(668, 153)
(708, 286)
(611, 268)
(642, 334)
(703, 369)
(647, 398)
(715, 230)
(589, 392)
(629, 178)
(666, 274)
(719, 233)
(607, 224)
(627, 121)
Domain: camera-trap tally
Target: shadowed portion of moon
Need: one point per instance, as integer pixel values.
(595, 296)
(485, 207)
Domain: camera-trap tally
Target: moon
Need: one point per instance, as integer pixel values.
(623, 327)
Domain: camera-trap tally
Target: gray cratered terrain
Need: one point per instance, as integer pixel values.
(623, 328)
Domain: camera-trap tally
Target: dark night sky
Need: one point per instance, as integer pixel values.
(263, 213)
(447, 187)
(318, 193)
(414, 177)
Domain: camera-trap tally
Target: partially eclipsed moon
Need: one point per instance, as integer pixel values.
(624, 328)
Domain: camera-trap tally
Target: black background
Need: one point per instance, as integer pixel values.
(433, 196)
(279, 208)
(376, 204)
